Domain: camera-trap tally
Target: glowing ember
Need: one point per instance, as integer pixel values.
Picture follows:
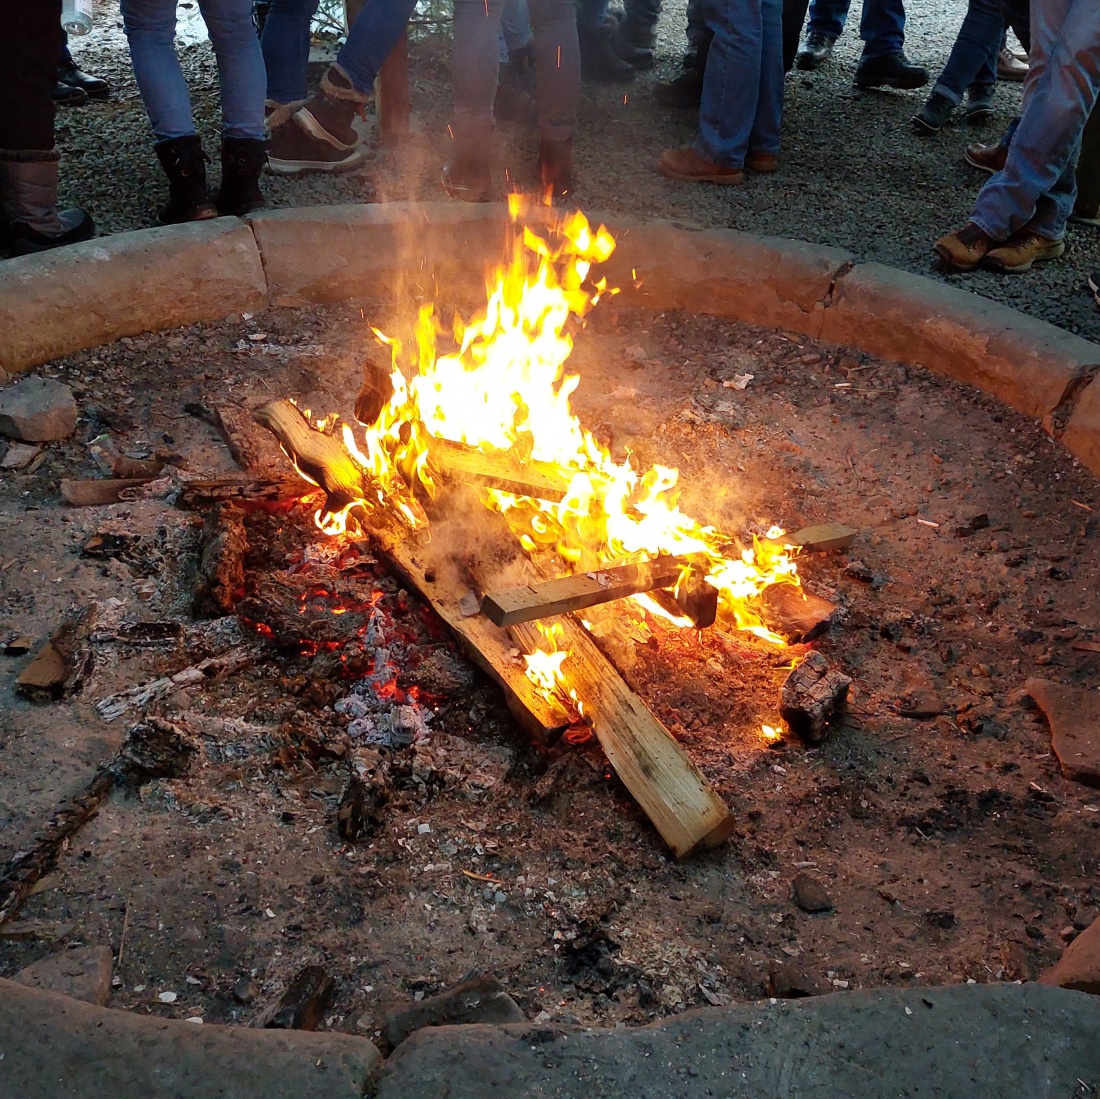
(771, 735)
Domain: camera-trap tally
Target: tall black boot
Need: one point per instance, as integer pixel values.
(184, 164)
(28, 195)
(555, 167)
(243, 159)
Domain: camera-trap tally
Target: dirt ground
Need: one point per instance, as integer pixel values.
(952, 848)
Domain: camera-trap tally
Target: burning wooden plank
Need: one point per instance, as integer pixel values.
(794, 612)
(587, 589)
(539, 480)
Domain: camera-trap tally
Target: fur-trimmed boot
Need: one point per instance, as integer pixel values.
(184, 164)
(243, 159)
(28, 195)
(319, 137)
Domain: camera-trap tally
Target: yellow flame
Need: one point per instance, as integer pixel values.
(771, 734)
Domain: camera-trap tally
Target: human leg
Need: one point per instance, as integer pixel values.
(241, 72)
(285, 45)
(558, 72)
(764, 136)
(973, 56)
(71, 75)
(150, 27)
(828, 17)
(882, 28)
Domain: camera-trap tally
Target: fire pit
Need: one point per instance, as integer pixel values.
(326, 781)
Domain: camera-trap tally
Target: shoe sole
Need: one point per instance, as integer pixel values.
(995, 264)
(979, 118)
(333, 167)
(896, 85)
(720, 181)
(1094, 286)
(763, 170)
(809, 64)
(923, 127)
(950, 263)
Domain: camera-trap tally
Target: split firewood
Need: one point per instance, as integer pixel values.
(794, 612)
(249, 448)
(563, 594)
(375, 392)
(810, 696)
(138, 468)
(539, 480)
(100, 491)
(475, 999)
(207, 493)
(206, 671)
(303, 1005)
(220, 583)
(64, 663)
(822, 537)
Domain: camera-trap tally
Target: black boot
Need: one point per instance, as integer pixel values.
(28, 195)
(895, 70)
(243, 159)
(184, 164)
(555, 167)
(599, 60)
(92, 86)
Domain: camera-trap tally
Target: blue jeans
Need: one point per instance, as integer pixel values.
(1038, 185)
(973, 58)
(742, 104)
(151, 28)
(881, 26)
(515, 28)
(286, 44)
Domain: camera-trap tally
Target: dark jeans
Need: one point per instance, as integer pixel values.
(30, 45)
(973, 57)
(881, 26)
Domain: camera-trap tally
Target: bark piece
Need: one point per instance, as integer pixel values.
(1074, 717)
(480, 999)
(374, 393)
(794, 612)
(100, 491)
(810, 695)
(221, 565)
(84, 974)
(304, 1003)
(63, 663)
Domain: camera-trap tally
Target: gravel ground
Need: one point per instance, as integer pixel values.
(853, 173)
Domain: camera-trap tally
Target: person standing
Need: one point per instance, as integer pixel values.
(742, 98)
(1020, 215)
(150, 27)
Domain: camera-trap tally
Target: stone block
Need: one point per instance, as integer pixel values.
(56, 1047)
(37, 410)
(1027, 363)
(84, 974)
(1082, 434)
(92, 293)
(1074, 717)
(1079, 966)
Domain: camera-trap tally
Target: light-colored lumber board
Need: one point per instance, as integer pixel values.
(540, 480)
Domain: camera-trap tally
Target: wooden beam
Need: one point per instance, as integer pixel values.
(540, 480)
(546, 598)
(794, 612)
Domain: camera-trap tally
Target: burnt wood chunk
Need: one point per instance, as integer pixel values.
(100, 491)
(304, 1003)
(1074, 717)
(206, 493)
(811, 694)
(479, 999)
(374, 394)
(795, 613)
(63, 663)
(220, 583)
(300, 609)
(587, 589)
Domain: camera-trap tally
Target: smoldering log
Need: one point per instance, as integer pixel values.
(300, 609)
(810, 696)
(794, 612)
(209, 492)
(220, 583)
(374, 394)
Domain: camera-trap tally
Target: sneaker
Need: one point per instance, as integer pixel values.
(932, 117)
(815, 51)
(302, 145)
(979, 104)
(965, 249)
(685, 93)
(1023, 249)
(689, 166)
(764, 163)
(1010, 67)
(989, 158)
(895, 70)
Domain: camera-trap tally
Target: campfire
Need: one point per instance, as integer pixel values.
(466, 466)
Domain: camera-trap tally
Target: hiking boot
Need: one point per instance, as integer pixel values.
(468, 177)
(965, 249)
(989, 158)
(28, 201)
(555, 166)
(815, 51)
(684, 93)
(599, 60)
(895, 70)
(294, 149)
(933, 116)
(1023, 249)
(65, 95)
(690, 166)
(1010, 67)
(637, 33)
(979, 104)
(92, 86)
(184, 164)
(243, 160)
(764, 163)
(637, 57)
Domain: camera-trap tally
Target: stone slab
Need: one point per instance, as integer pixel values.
(1082, 434)
(964, 1042)
(1027, 363)
(1074, 717)
(84, 974)
(92, 293)
(1079, 966)
(52, 1047)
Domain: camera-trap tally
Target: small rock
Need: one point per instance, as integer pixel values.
(245, 991)
(1067, 934)
(1084, 917)
(1079, 966)
(944, 919)
(1074, 716)
(922, 704)
(791, 982)
(19, 456)
(84, 974)
(810, 894)
(37, 410)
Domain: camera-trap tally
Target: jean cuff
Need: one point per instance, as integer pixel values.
(703, 149)
(948, 93)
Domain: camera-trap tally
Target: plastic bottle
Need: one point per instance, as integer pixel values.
(76, 16)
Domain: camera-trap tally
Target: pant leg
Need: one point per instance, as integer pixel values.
(697, 31)
(150, 27)
(476, 29)
(515, 26)
(29, 47)
(592, 14)
(557, 66)
(794, 16)
(973, 57)
(1038, 184)
(240, 61)
(374, 34)
(65, 57)
(1017, 14)
(765, 134)
(882, 28)
(731, 85)
(829, 16)
(285, 44)
(643, 13)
